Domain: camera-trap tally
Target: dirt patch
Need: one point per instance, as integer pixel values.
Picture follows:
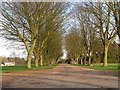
(63, 76)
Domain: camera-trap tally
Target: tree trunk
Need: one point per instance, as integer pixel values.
(89, 62)
(118, 53)
(77, 60)
(36, 61)
(53, 61)
(30, 52)
(41, 60)
(85, 60)
(73, 62)
(29, 60)
(105, 54)
(81, 61)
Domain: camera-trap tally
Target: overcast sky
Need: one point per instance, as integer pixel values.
(3, 50)
(7, 51)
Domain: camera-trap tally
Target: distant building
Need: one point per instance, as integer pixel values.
(7, 62)
(12, 61)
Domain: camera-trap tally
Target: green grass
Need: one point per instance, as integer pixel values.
(8, 69)
(100, 67)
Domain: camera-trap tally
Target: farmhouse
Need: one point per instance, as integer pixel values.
(9, 64)
(7, 61)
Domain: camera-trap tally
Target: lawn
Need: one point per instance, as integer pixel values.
(7, 69)
(100, 67)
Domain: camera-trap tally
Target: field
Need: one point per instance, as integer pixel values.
(100, 67)
(8, 69)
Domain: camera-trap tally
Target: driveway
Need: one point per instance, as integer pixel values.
(63, 76)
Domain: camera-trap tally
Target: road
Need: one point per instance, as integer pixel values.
(63, 76)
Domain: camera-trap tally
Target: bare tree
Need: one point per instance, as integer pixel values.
(21, 22)
(73, 45)
(102, 19)
(88, 32)
(32, 23)
(52, 26)
(116, 14)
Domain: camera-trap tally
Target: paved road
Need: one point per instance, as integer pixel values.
(63, 76)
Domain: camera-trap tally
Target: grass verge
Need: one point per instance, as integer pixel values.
(100, 67)
(8, 69)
